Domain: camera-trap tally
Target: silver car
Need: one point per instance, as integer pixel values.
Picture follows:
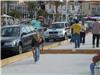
(57, 30)
(16, 37)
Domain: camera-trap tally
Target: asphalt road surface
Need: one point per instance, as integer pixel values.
(9, 53)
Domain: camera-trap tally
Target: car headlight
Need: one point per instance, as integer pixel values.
(11, 43)
(46, 33)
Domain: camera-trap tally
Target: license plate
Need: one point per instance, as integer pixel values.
(52, 36)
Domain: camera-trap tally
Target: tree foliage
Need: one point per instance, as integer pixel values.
(32, 7)
(15, 13)
(56, 4)
(42, 13)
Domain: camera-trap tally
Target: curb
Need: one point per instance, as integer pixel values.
(69, 51)
(45, 50)
(13, 59)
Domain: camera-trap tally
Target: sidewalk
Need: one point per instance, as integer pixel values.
(87, 45)
(59, 64)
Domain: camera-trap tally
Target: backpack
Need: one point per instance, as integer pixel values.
(38, 38)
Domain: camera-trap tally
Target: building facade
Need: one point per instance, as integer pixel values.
(90, 8)
(65, 9)
(8, 6)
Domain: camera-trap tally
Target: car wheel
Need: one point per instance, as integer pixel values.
(20, 49)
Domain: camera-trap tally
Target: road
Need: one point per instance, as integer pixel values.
(8, 53)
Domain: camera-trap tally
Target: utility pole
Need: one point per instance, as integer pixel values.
(66, 8)
(61, 17)
(75, 10)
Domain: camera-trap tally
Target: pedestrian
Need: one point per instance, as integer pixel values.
(72, 39)
(76, 33)
(36, 23)
(36, 43)
(96, 33)
(82, 33)
(95, 59)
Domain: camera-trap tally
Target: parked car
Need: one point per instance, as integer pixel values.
(16, 37)
(57, 30)
(88, 25)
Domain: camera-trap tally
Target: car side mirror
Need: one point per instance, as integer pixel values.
(66, 24)
(45, 29)
(67, 28)
(23, 34)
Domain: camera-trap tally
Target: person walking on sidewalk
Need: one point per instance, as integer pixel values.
(36, 43)
(72, 39)
(95, 59)
(82, 33)
(76, 33)
(36, 23)
(96, 33)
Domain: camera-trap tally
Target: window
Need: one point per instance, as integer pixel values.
(73, 8)
(98, 9)
(24, 30)
(93, 9)
(10, 31)
(31, 28)
(28, 28)
(50, 6)
(18, 7)
(89, 6)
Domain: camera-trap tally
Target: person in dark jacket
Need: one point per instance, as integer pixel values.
(96, 33)
(95, 59)
(82, 33)
(72, 39)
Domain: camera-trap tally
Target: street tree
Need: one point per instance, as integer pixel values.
(56, 4)
(32, 8)
(42, 13)
(14, 13)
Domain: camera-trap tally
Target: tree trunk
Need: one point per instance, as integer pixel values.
(56, 14)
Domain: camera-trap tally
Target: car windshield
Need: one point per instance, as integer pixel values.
(10, 31)
(57, 25)
(88, 23)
